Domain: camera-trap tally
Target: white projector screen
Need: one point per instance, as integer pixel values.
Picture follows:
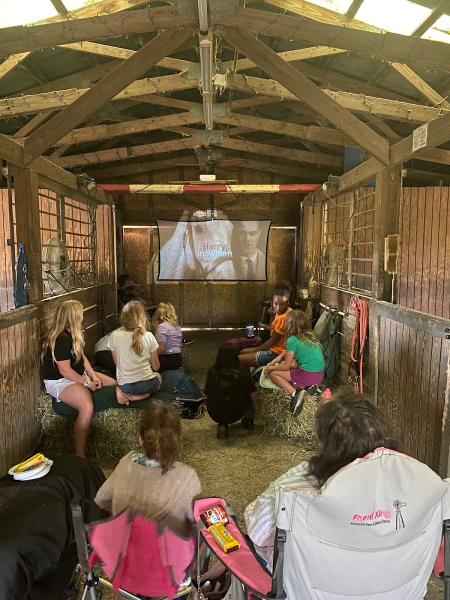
(217, 249)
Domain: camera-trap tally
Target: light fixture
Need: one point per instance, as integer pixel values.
(206, 64)
(208, 112)
(203, 15)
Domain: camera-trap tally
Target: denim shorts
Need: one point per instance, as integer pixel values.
(150, 386)
(263, 357)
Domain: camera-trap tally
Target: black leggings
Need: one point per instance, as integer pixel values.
(169, 362)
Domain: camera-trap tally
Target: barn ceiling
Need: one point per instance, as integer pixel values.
(117, 88)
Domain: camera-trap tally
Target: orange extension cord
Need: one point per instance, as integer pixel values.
(359, 337)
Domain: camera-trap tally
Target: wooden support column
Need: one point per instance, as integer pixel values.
(386, 222)
(28, 227)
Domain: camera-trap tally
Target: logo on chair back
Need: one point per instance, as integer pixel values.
(399, 521)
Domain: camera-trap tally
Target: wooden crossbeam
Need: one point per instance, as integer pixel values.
(59, 5)
(307, 92)
(125, 152)
(293, 55)
(353, 9)
(108, 87)
(438, 133)
(382, 107)
(424, 88)
(34, 37)
(140, 168)
(97, 8)
(437, 12)
(12, 61)
(290, 154)
(312, 175)
(104, 132)
(322, 135)
(32, 124)
(390, 46)
(124, 53)
(58, 99)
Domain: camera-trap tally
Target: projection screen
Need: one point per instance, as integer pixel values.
(218, 249)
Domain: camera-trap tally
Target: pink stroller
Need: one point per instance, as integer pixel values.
(251, 579)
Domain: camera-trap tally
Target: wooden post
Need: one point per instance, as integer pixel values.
(28, 227)
(386, 222)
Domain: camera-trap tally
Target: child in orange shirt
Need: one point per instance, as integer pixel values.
(276, 344)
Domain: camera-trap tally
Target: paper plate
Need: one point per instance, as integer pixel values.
(40, 473)
(31, 473)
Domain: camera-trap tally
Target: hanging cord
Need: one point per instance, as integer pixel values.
(359, 338)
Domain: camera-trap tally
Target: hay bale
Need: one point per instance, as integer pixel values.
(278, 420)
(114, 431)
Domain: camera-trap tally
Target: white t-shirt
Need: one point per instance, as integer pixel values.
(130, 366)
(348, 540)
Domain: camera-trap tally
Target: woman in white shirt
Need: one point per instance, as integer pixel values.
(134, 351)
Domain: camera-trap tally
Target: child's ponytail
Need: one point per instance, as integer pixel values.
(137, 341)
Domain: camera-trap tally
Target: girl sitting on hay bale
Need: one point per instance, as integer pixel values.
(168, 335)
(152, 481)
(230, 390)
(67, 373)
(134, 352)
(302, 365)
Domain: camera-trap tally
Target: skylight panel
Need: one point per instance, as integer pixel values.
(398, 16)
(440, 30)
(25, 12)
(340, 6)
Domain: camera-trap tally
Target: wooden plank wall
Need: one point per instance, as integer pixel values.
(406, 366)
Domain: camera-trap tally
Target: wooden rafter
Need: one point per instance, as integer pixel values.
(12, 61)
(103, 132)
(108, 87)
(424, 88)
(32, 124)
(22, 105)
(438, 133)
(312, 175)
(307, 92)
(124, 53)
(100, 7)
(353, 9)
(290, 154)
(293, 55)
(382, 107)
(137, 168)
(390, 46)
(34, 37)
(125, 152)
(59, 5)
(437, 12)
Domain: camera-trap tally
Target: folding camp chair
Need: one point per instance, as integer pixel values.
(130, 548)
(254, 579)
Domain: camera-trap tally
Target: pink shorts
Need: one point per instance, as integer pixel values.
(304, 379)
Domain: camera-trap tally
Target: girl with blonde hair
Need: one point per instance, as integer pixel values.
(302, 365)
(134, 352)
(67, 373)
(168, 335)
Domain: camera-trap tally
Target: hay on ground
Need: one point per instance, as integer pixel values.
(114, 431)
(279, 421)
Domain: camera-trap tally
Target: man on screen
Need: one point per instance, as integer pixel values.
(250, 262)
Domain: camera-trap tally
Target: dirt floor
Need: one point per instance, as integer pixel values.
(242, 466)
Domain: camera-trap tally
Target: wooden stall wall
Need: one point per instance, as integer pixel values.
(22, 330)
(407, 358)
(214, 303)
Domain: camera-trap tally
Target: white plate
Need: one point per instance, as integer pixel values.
(35, 469)
(34, 473)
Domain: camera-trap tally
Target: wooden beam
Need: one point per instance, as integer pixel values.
(353, 9)
(307, 92)
(387, 45)
(26, 199)
(32, 124)
(97, 8)
(322, 135)
(381, 107)
(434, 177)
(139, 168)
(293, 55)
(124, 53)
(123, 153)
(290, 154)
(59, 5)
(438, 133)
(34, 37)
(312, 175)
(103, 132)
(11, 62)
(426, 90)
(58, 99)
(102, 92)
(437, 12)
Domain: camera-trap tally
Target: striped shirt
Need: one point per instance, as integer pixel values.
(260, 515)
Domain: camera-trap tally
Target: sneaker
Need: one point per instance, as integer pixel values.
(297, 402)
